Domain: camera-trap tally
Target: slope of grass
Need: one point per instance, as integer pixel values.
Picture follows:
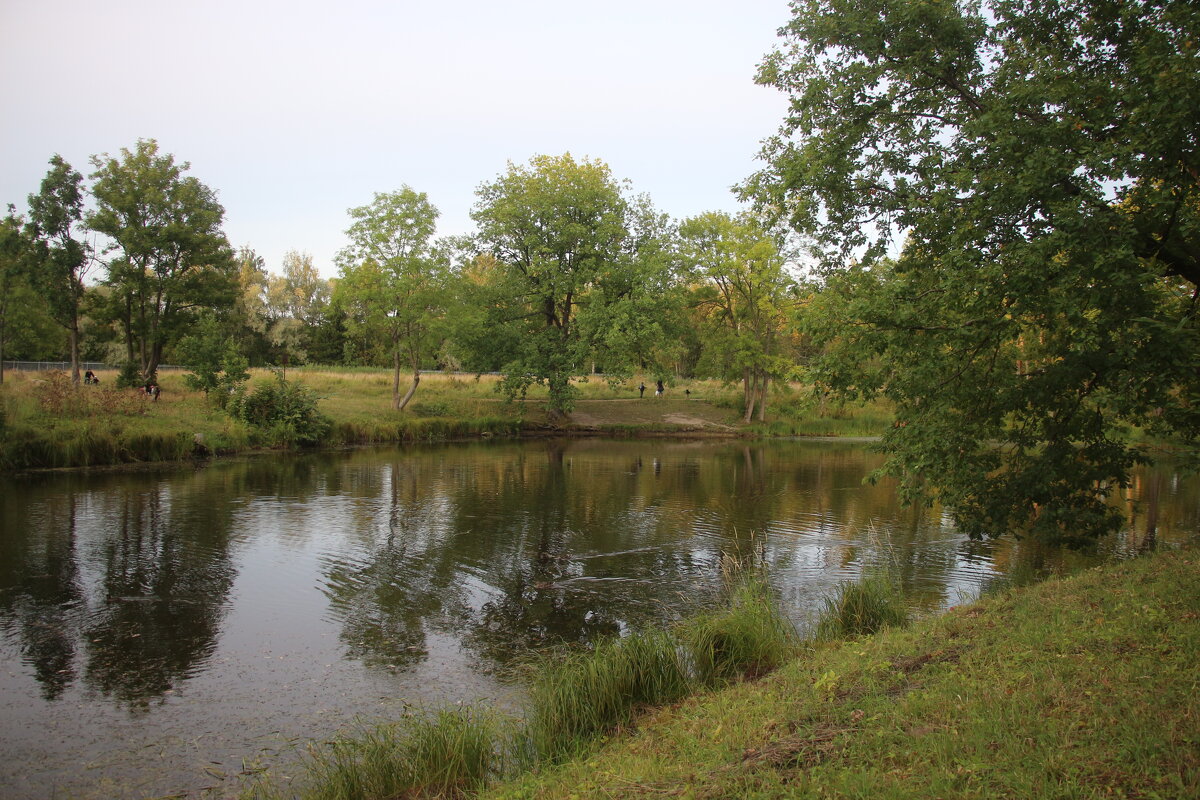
(1075, 688)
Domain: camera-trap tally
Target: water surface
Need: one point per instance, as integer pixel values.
(163, 630)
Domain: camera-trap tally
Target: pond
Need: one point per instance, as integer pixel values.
(166, 629)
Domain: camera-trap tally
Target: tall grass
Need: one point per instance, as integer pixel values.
(447, 754)
(855, 609)
(576, 698)
(748, 637)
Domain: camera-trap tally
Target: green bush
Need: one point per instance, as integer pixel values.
(285, 410)
(130, 376)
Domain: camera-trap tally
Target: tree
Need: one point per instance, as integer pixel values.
(744, 299)
(1039, 163)
(174, 259)
(217, 363)
(558, 230)
(250, 315)
(294, 303)
(15, 250)
(56, 213)
(391, 280)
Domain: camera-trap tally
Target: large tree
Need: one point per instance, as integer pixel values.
(559, 232)
(744, 299)
(56, 217)
(174, 259)
(392, 281)
(15, 252)
(1033, 167)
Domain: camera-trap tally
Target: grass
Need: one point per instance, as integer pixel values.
(1083, 687)
(46, 423)
(862, 607)
(447, 754)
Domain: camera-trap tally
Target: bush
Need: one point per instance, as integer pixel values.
(287, 410)
(130, 376)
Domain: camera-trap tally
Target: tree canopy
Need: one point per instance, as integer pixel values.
(1032, 167)
(566, 266)
(173, 259)
(391, 279)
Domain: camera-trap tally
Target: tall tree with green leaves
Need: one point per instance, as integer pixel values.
(1039, 163)
(558, 229)
(391, 280)
(173, 258)
(65, 257)
(16, 251)
(744, 298)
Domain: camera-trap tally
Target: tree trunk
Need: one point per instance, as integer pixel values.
(395, 374)
(762, 400)
(74, 344)
(751, 394)
(411, 390)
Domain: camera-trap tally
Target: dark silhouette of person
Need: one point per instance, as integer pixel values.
(641, 390)
(659, 389)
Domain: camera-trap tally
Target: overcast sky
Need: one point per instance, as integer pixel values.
(295, 111)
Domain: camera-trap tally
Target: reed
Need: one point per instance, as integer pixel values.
(863, 607)
(580, 696)
(748, 637)
(447, 754)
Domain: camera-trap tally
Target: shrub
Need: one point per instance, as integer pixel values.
(287, 410)
(130, 375)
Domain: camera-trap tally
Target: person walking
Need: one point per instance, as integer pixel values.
(658, 389)
(641, 390)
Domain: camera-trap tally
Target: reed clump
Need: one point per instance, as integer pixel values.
(575, 699)
(748, 637)
(447, 754)
(861, 608)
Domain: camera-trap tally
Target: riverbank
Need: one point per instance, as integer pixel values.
(1079, 687)
(47, 424)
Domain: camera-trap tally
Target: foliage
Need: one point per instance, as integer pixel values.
(129, 376)
(63, 258)
(1041, 170)
(744, 301)
(174, 259)
(748, 636)
(15, 250)
(567, 281)
(286, 409)
(576, 698)
(445, 754)
(392, 281)
(217, 364)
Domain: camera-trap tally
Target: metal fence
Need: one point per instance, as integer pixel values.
(94, 366)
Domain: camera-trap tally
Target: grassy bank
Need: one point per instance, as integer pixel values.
(1074, 688)
(47, 424)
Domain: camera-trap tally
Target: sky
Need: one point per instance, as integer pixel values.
(294, 112)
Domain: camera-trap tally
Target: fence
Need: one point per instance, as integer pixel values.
(84, 366)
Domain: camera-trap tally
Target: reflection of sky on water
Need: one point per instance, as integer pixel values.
(159, 626)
